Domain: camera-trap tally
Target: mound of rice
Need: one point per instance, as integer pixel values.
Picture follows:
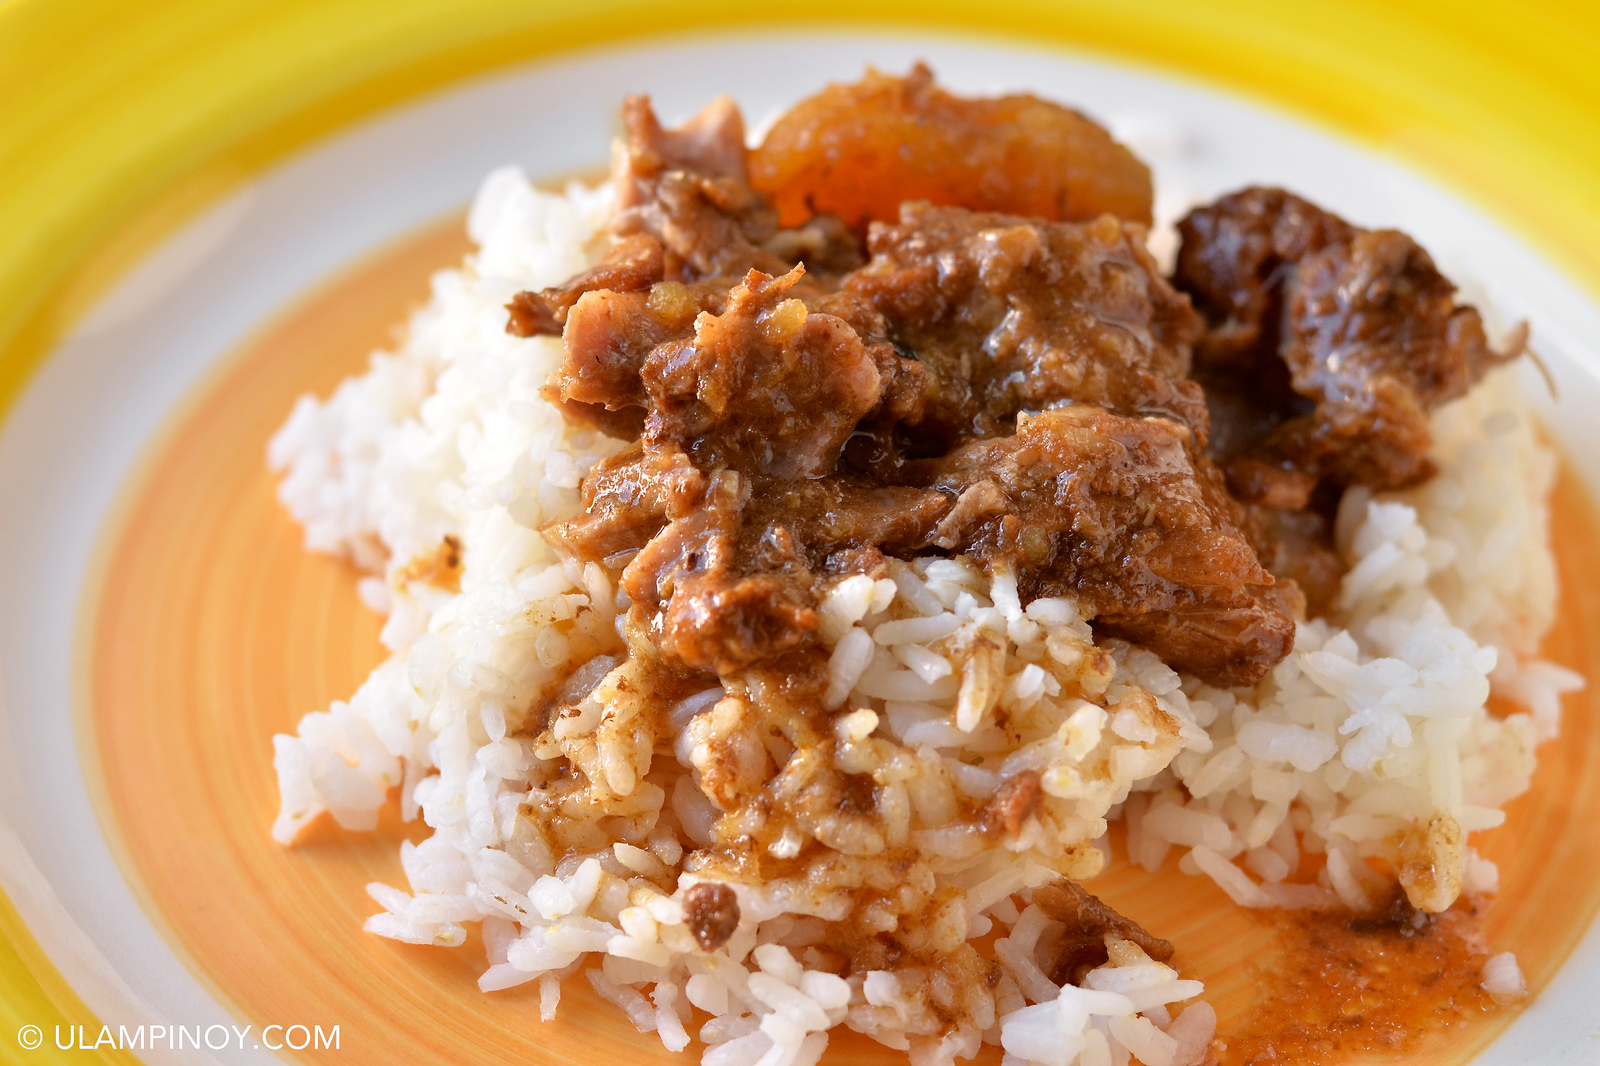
(1372, 738)
(431, 473)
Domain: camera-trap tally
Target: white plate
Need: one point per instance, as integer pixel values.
(75, 438)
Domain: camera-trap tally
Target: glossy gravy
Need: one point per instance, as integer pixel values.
(1348, 985)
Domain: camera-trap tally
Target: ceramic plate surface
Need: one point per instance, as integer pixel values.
(111, 437)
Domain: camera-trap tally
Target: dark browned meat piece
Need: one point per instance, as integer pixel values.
(1327, 347)
(689, 189)
(1012, 803)
(1228, 638)
(804, 366)
(1372, 333)
(627, 499)
(1278, 487)
(692, 593)
(839, 514)
(766, 387)
(1232, 260)
(1008, 313)
(1126, 515)
(722, 622)
(711, 911)
(720, 569)
(1297, 547)
(861, 150)
(624, 424)
(607, 338)
(1338, 341)
(635, 263)
(1089, 922)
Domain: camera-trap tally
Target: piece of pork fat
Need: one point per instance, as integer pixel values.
(1009, 313)
(1328, 345)
(1129, 516)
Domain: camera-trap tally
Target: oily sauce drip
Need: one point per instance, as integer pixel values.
(1346, 985)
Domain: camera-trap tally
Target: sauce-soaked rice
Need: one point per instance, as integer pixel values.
(1347, 985)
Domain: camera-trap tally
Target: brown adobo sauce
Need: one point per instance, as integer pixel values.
(1347, 984)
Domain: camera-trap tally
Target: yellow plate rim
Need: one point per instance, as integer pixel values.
(118, 122)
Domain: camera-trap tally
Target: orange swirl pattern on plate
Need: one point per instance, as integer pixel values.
(212, 629)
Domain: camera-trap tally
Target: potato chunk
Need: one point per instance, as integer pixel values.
(858, 151)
